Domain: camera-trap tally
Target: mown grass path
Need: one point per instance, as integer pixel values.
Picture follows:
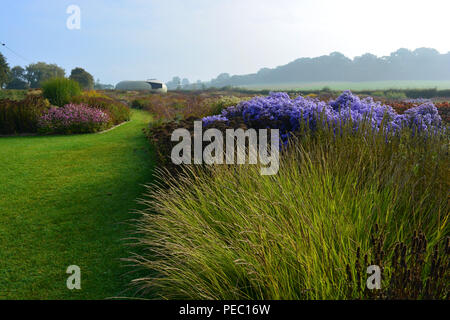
(64, 201)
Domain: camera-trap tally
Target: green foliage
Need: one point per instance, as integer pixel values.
(4, 71)
(17, 84)
(227, 232)
(139, 103)
(217, 105)
(390, 94)
(423, 93)
(378, 94)
(118, 111)
(395, 95)
(13, 94)
(22, 116)
(17, 79)
(60, 91)
(38, 73)
(84, 78)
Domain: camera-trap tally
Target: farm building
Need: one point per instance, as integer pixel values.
(152, 85)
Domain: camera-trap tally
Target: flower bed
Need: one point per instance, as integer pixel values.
(345, 201)
(117, 111)
(444, 110)
(443, 107)
(74, 118)
(22, 116)
(279, 111)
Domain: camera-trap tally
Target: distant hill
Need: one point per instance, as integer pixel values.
(403, 64)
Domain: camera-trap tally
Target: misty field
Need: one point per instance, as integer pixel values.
(364, 85)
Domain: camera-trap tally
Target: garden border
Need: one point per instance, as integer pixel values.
(47, 135)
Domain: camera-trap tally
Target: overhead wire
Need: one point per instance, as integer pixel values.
(14, 52)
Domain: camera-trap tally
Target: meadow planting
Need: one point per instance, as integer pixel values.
(359, 184)
(73, 118)
(226, 159)
(60, 108)
(22, 116)
(363, 181)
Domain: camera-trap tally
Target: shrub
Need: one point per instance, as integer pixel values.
(60, 91)
(13, 94)
(226, 232)
(395, 95)
(218, 105)
(22, 116)
(72, 119)
(93, 94)
(378, 94)
(279, 111)
(139, 103)
(117, 111)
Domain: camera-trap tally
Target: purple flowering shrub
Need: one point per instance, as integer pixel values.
(423, 117)
(212, 119)
(417, 101)
(279, 111)
(74, 118)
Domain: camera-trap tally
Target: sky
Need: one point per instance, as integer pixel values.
(199, 39)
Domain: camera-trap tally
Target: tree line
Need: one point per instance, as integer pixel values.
(403, 64)
(33, 75)
(177, 84)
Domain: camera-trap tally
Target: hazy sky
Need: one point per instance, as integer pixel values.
(198, 39)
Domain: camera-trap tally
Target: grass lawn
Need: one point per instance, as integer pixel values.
(64, 201)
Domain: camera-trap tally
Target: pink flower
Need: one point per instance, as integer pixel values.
(74, 118)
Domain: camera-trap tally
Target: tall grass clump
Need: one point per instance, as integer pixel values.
(60, 91)
(13, 94)
(227, 232)
(22, 116)
(117, 111)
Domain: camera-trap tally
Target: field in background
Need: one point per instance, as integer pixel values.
(369, 85)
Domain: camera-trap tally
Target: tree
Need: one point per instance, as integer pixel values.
(18, 72)
(221, 80)
(39, 72)
(18, 79)
(4, 71)
(174, 83)
(84, 78)
(403, 64)
(185, 83)
(97, 85)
